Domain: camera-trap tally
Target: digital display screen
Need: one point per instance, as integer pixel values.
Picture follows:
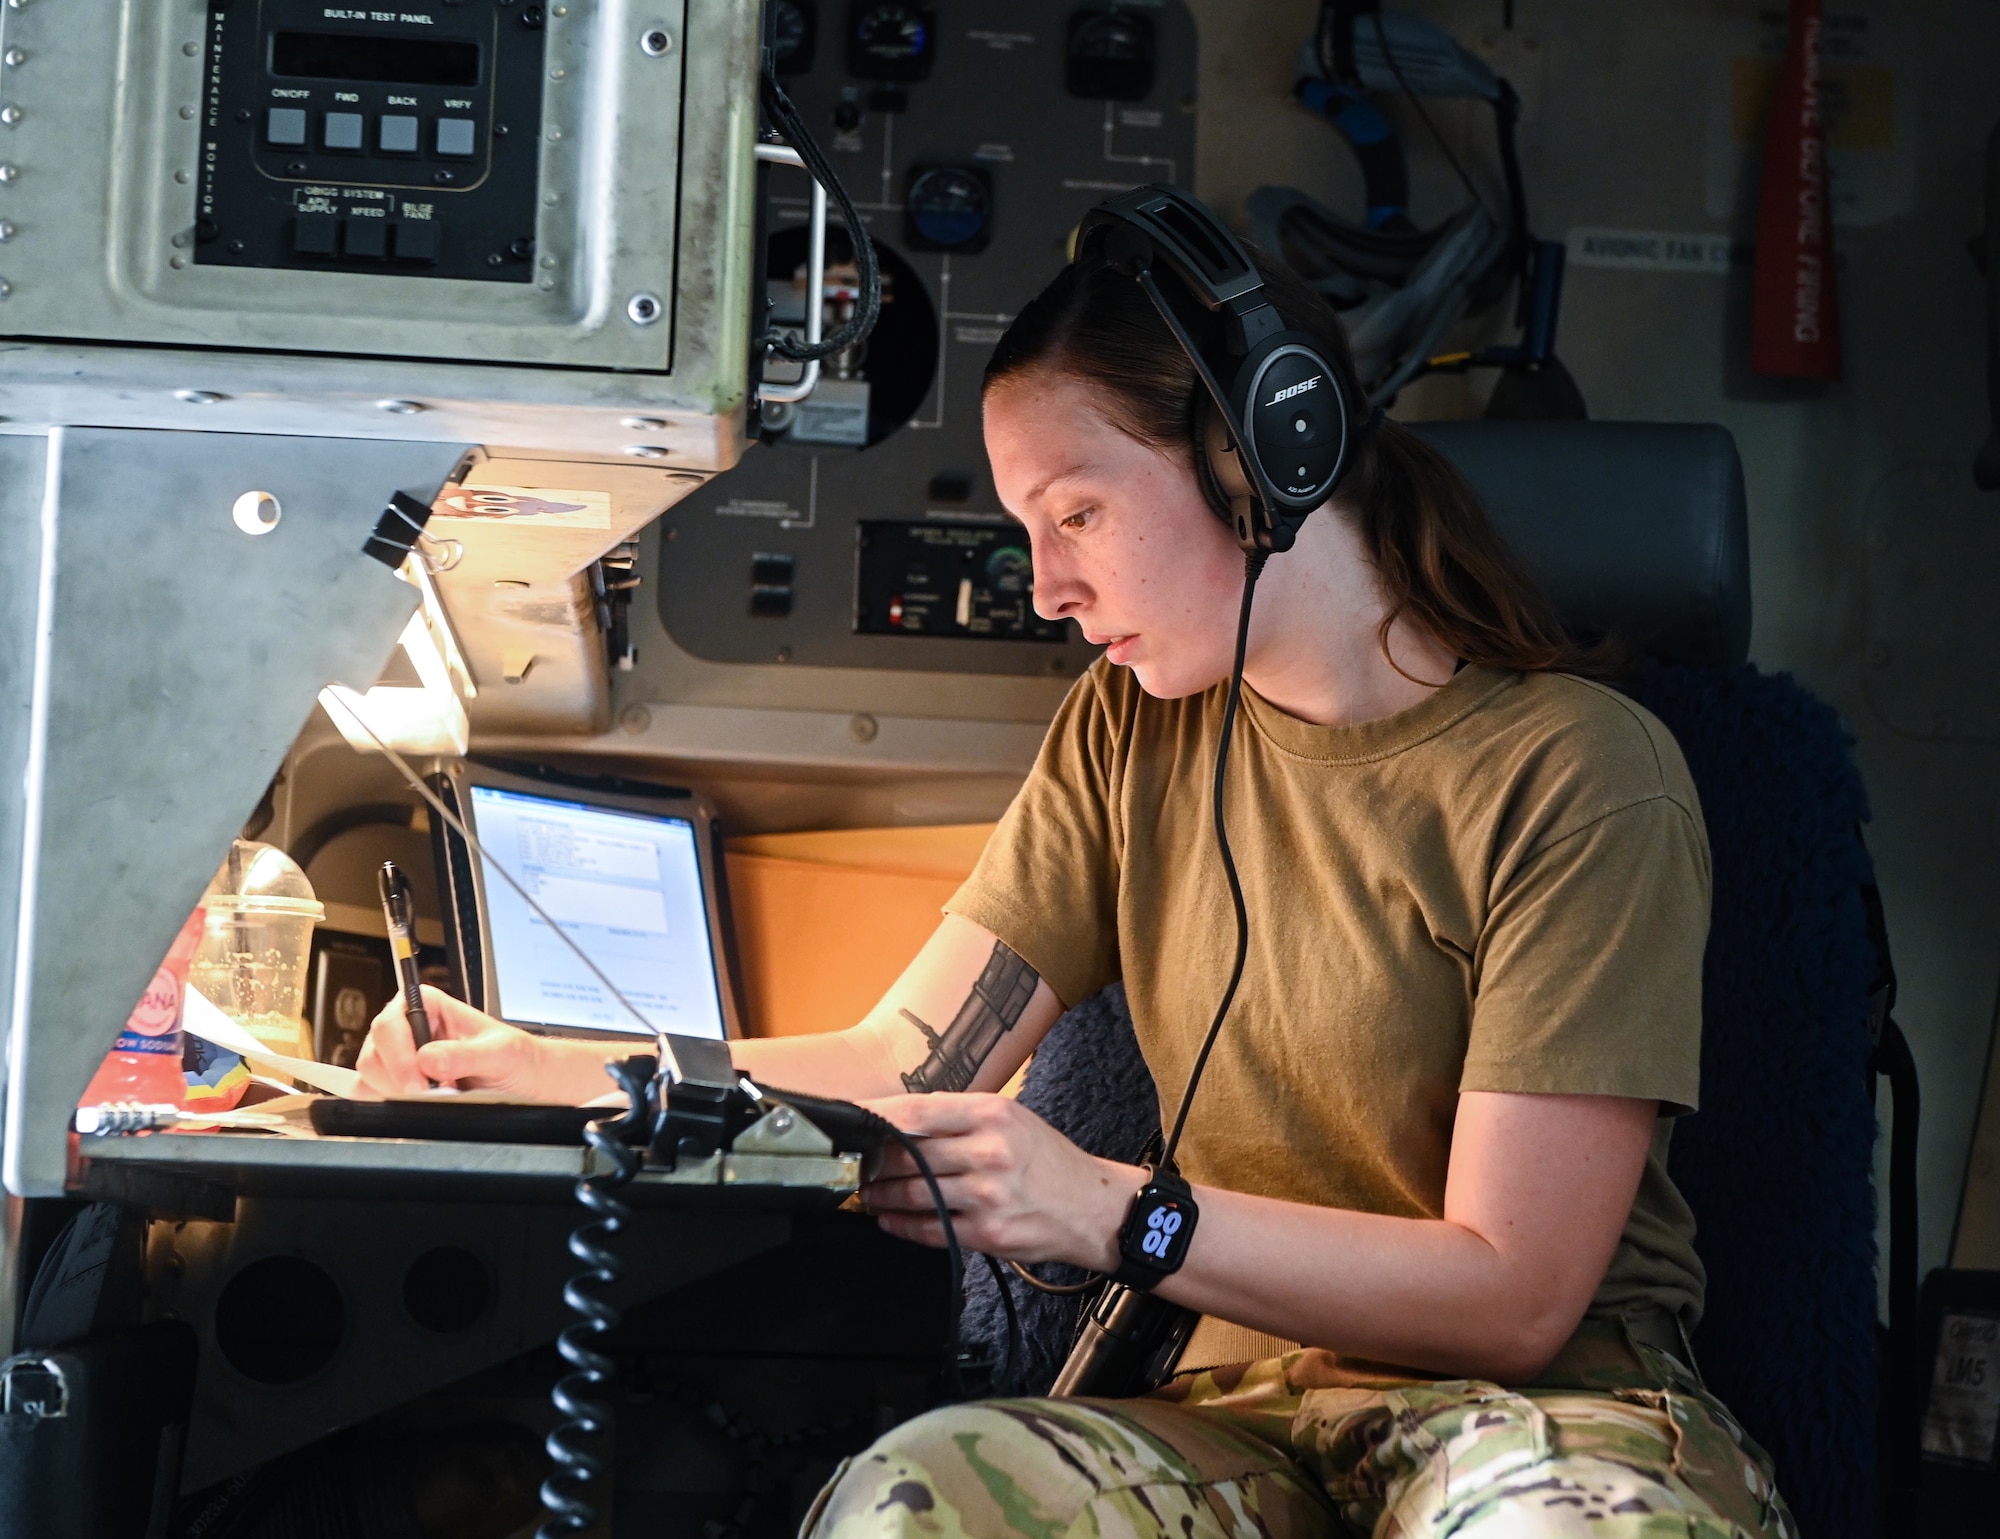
(388, 60)
(626, 888)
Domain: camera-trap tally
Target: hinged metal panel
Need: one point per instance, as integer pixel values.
(174, 658)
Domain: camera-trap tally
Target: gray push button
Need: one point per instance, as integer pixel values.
(286, 127)
(399, 135)
(455, 136)
(343, 130)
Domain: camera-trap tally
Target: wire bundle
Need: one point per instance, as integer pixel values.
(785, 118)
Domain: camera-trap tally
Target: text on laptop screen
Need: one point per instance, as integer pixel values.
(625, 887)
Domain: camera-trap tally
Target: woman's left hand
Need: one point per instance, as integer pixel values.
(1016, 1187)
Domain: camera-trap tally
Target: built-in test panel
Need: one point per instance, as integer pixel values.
(372, 140)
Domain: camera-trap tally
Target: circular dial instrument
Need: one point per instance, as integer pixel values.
(792, 31)
(949, 208)
(1009, 572)
(891, 42)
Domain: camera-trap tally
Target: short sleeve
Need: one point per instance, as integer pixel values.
(1587, 975)
(1047, 881)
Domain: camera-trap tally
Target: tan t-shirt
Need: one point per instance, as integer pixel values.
(1503, 888)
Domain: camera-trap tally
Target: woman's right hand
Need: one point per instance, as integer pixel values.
(468, 1048)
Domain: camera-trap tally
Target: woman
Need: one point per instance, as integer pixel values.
(1445, 1278)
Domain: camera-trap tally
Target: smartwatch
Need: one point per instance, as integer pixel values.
(1154, 1240)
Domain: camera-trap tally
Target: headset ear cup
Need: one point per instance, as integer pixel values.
(1219, 468)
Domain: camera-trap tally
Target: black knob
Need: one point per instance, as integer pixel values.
(847, 117)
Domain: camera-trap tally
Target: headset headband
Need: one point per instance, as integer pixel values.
(1132, 230)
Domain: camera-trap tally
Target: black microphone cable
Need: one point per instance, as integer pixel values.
(585, 1418)
(1253, 568)
(954, 1351)
(1126, 1334)
(1014, 1339)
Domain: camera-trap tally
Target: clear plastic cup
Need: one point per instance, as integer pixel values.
(256, 946)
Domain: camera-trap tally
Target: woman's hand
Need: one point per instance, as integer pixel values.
(474, 1051)
(1016, 1187)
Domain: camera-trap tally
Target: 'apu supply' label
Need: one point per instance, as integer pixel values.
(155, 1023)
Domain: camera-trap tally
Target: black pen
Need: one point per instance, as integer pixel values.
(403, 945)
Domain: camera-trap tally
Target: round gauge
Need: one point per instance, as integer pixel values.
(890, 42)
(1008, 571)
(1110, 55)
(792, 31)
(1111, 36)
(949, 208)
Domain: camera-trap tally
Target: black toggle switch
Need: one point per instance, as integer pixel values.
(771, 569)
(770, 602)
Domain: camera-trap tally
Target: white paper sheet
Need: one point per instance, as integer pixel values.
(200, 1016)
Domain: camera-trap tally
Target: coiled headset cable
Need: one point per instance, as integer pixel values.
(586, 1419)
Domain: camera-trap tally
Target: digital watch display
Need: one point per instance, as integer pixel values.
(1154, 1240)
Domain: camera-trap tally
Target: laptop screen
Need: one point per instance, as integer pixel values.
(625, 887)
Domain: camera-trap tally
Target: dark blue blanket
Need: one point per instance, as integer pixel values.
(1777, 1164)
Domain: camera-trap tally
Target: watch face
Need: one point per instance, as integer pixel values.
(1161, 1229)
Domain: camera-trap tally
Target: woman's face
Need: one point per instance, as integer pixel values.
(1124, 542)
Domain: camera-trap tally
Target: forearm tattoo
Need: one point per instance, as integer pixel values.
(988, 1014)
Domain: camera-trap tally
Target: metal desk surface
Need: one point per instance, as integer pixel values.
(261, 1164)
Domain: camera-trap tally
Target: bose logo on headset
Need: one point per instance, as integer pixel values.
(1291, 390)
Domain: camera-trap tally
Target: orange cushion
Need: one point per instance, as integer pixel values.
(826, 921)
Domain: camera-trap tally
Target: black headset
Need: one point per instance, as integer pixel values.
(1272, 437)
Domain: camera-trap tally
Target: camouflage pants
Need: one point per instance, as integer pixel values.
(1298, 1446)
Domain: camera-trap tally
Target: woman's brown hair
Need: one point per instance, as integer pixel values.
(1438, 558)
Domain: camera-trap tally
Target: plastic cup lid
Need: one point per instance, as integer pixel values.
(222, 906)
